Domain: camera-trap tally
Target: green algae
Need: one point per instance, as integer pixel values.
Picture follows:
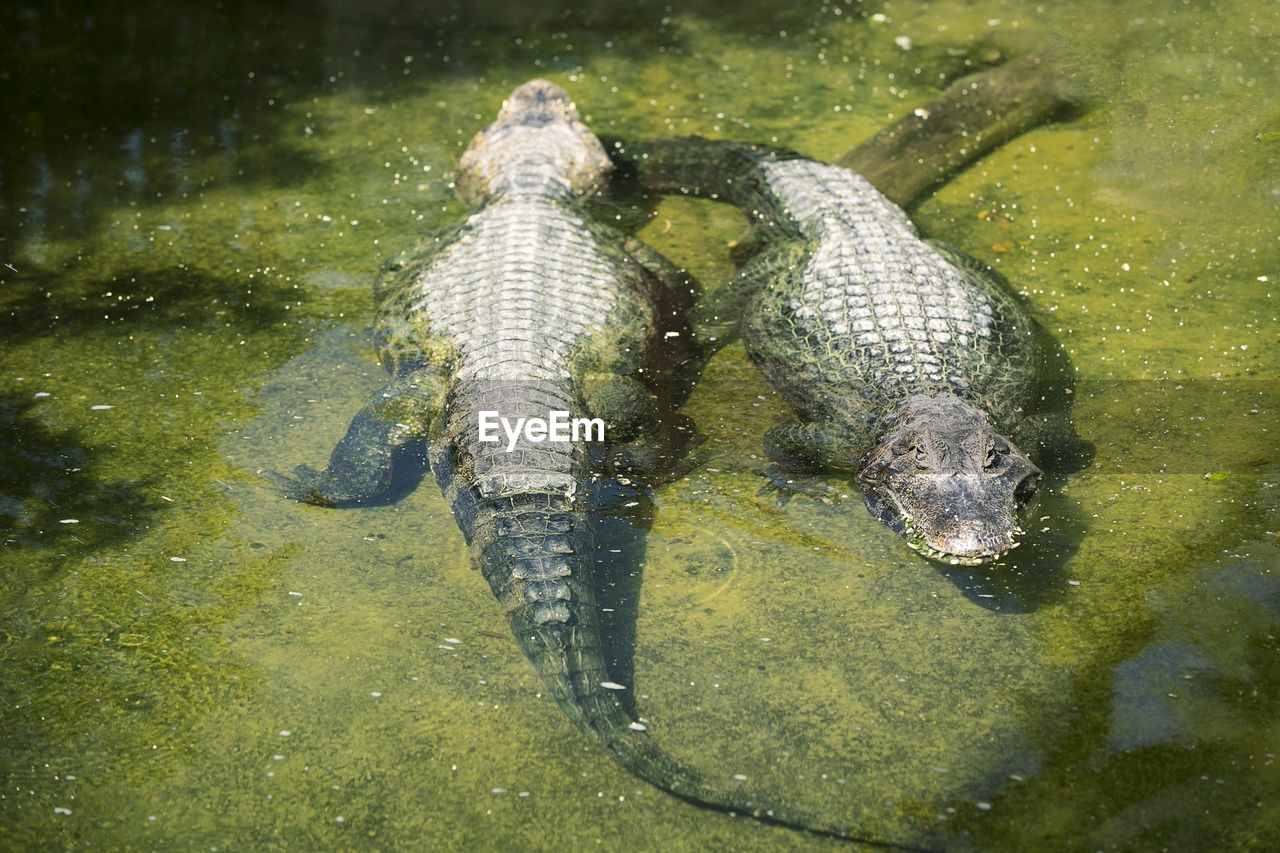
(190, 661)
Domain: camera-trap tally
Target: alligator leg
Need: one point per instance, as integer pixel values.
(812, 446)
(360, 467)
(716, 318)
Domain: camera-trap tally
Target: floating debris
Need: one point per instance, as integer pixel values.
(612, 685)
(637, 727)
(61, 810)
(68, 521)
(101, 407)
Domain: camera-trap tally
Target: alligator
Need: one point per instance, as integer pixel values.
(909, 365)
(526, 308)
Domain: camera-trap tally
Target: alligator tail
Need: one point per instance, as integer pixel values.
(717, 169)
(536, 551)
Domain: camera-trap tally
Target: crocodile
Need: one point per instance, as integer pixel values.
(909, 365)
(526, 308)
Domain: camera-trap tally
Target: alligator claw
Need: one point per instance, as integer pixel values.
(302, 487)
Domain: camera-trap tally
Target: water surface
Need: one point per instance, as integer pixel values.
(194, 206)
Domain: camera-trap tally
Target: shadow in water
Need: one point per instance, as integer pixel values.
(52, 505)
(623, 516)
(40, 303)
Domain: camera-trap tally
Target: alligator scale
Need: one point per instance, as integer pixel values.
(525, 309)
(908, 365)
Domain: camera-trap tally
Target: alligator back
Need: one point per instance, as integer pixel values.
(877, 314)
(845, 305)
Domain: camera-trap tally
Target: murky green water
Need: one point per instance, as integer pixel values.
(194, 205)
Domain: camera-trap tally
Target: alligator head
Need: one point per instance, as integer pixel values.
(537, 143)
(948, 482)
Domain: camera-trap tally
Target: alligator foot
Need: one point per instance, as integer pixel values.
(783, 485)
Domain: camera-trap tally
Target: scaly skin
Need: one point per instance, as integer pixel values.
(907, 364)
(525, 308)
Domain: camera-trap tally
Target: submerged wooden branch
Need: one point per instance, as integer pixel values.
(974, 115)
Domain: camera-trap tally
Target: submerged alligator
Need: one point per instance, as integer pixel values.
(909, 365)
(529, 308)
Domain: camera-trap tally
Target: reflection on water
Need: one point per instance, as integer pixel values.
(192, 206)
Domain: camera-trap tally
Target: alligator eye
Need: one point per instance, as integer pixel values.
(996, 449)
(920, 457)
(1027, 489)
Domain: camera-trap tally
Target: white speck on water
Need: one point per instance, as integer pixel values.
(376, 694)
(446, 648)
(1073, 583)
(637, 727)
(40, 394)
(61, 810)
(740, 777)
(453, 640)
(177, 559)
(903, 42)
(285, 733)
(612, 685)
(277, 757)
(766, 639)
(523, 794)
(101, 407)
(69, 521)
(339, 819)
(298, 594)
(985, 806)
(497, 790)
